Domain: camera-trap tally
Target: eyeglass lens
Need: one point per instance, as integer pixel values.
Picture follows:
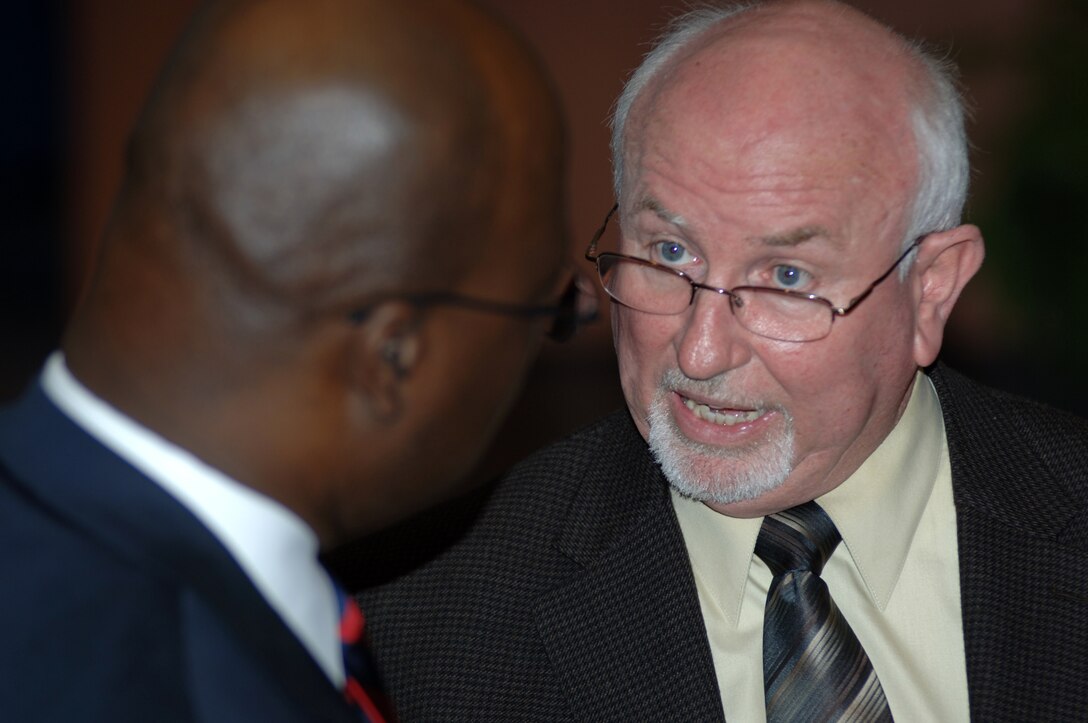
(645, 287)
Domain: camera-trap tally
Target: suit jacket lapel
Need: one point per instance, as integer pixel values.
(115, 504)
(1024, 597)
(630, 617)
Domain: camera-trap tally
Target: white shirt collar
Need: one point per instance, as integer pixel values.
(275, 548)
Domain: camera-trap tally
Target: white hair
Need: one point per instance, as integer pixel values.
(941, 140)
(937, 121)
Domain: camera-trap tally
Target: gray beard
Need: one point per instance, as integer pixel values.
(707, 473)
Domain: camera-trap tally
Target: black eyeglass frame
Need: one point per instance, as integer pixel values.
(565, 313)
(735, 301)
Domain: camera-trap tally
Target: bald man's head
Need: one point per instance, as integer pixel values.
(295, 163)
(331, 150)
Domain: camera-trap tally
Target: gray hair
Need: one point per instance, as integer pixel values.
(937, 120)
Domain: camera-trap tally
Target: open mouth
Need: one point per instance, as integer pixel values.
(728, 417)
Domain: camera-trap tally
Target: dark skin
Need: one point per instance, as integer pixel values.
(295, 160)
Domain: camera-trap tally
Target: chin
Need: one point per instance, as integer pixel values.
(718, 475)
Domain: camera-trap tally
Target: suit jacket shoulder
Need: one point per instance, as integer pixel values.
(119, 605)
(570, 598)
(1020, 480)
(1022, 462)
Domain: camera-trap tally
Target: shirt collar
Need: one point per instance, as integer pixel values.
(274, 546)
(876, 510)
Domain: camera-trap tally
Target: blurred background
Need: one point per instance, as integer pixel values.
(77, 73)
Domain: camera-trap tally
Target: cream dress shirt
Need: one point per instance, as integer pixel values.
(895, 576)
(275, 548)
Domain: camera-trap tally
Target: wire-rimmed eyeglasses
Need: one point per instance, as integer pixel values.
(780, 314)
(576, 306)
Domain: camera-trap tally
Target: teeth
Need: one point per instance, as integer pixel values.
(715, 416)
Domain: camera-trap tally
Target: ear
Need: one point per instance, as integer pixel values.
(946, 262)
(386, 349)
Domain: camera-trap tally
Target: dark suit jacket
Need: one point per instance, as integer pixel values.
(572, 596)
(118, 605)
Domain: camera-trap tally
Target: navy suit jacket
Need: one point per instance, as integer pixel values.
(118, 604)
(571, 597)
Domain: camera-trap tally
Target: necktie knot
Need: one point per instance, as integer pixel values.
(800, 539)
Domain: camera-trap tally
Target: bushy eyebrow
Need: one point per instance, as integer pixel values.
(651, 204)
(793, 237)
(790, 238)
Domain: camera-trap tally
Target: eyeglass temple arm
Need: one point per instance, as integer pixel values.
(432, 298)
(852, 304)
(591, 252)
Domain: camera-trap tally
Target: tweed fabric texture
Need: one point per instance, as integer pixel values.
(569, 595)
(1020, 481)
(507, 624)
(814, 668)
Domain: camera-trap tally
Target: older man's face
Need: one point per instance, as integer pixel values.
(769, 197)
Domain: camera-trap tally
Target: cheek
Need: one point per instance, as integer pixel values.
(644, 350)
(838, 385)
(479, 385)
(498, 374)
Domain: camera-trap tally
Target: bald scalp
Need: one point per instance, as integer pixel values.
(801, 63)
(780, 57)
(312, 156)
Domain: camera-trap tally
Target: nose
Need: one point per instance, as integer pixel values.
(711, 342)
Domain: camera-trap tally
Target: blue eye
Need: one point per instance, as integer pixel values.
(790, 277)
(672, 253)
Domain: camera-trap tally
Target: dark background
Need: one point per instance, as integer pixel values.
(77, 72)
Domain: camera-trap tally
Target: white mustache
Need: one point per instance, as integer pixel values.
(719, 388)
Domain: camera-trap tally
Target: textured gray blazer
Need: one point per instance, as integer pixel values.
(570, 596)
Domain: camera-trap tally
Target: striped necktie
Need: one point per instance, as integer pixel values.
(814, 668)
(363, 687)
